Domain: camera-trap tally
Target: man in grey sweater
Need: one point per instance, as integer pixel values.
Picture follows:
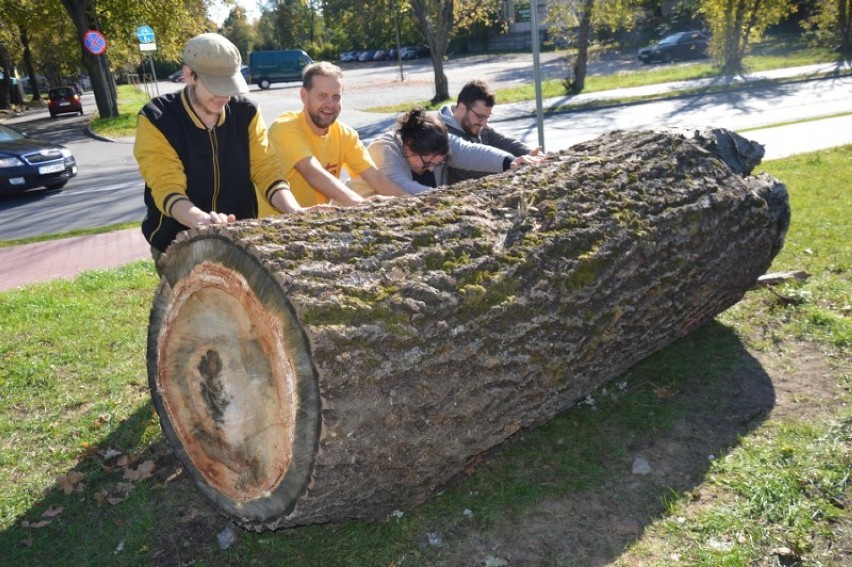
(468, 119)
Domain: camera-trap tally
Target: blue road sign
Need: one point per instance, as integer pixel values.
(95, 42)
(145, 34)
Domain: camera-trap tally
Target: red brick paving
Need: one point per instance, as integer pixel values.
(43, 261)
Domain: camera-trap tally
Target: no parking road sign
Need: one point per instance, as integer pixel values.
(95, 42)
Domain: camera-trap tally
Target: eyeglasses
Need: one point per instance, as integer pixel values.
(431, 164)
(481, 117)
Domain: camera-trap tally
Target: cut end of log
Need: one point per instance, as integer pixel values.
(222, 368)
(232, 382)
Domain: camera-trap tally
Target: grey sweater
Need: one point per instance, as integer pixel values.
(387, 152)
(487, 136)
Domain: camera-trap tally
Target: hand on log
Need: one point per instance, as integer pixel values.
(350, 362)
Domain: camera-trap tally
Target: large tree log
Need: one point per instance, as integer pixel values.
(346, 363)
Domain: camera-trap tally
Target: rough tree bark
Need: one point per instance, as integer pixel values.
(344, 364)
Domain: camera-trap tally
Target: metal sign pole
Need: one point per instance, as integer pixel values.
(539, 113)
(147, 42)
(154, 73)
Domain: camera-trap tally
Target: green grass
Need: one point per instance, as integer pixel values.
(770, 56)
(796, 121)
(73, 387)
(820, 308)
(130, 100)
(68, 234)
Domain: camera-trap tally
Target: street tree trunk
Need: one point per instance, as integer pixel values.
(28, 64)
(98, 66)
(436, 20)
(844, 26)
(6, 81)
(348, 363)
(578, 83)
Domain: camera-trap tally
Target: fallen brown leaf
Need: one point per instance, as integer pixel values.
(40, 524)
(52, 512)
(67, 481)
(143, 471)
(88, 450)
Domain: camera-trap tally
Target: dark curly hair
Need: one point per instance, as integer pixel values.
(423, 133)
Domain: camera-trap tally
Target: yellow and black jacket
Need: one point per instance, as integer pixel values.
(218, 169)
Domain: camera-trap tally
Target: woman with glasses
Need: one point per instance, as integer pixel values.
(415, 155)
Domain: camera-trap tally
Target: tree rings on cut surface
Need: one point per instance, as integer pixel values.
(231, 381)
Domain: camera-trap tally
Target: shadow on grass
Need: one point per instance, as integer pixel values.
(561, 493)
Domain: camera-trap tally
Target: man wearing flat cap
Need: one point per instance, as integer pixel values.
(203, 152)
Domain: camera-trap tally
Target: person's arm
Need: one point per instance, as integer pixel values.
(392, 163)
(362, 168)
(478, 157)
(515, 147)
(326, 183)
(381, 183)
(282, 199)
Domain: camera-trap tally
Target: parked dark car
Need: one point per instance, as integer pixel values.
(26, 163)
(62, 100)
(366, 55)
(682, 45)
(414, 51)
(177, 76)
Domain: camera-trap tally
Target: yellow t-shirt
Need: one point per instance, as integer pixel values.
(292, 140)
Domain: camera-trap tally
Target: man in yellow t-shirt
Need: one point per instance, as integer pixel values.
(314, 147)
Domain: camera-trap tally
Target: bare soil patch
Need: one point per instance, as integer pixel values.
(596, 527)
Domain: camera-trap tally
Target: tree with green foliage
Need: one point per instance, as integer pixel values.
(736, 24)
(436, 19)
(439, 21)
(173, 22)
(7, 35)
(575, 20)
(831, 25)
(84, 18)
(240, 31)
(364, 24)
(287, 24)
(31, 32)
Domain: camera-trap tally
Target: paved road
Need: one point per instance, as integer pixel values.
(108, 188)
